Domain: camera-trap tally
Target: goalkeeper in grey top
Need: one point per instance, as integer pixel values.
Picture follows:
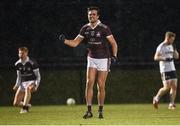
(166, 53)
(28, 79)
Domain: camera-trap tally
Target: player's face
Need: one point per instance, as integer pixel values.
(22, 54)
(93, 16)
(171, 40)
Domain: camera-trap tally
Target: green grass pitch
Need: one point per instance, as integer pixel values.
(120, 114)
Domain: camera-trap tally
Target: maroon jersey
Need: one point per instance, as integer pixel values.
(96, 39)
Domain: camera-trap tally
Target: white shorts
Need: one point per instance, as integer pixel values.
(99, 64)
(25, 84)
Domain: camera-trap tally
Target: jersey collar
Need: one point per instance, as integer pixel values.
(166, 43)
(98, 22)
(24, 62)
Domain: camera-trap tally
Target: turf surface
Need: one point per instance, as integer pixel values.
(120, 114)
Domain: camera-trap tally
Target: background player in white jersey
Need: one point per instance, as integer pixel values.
(165, 54)
(28, 79)
(97, 37)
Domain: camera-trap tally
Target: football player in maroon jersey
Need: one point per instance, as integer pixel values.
(97, 37)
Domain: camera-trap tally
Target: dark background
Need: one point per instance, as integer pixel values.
(138, 27)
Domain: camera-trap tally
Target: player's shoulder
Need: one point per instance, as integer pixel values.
(103, 25)
(85, 26)
(161, 44)
(17, 62)
(32, 61)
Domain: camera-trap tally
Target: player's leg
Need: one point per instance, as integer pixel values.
(173, 91)
(101, 80)
(161, 92)
(28, 90)
(90, 79)
(91, 76)
(18, 98)
(166, 86)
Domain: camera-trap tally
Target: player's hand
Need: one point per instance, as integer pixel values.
(62, 37)
(15, 87)
(113, 60)
(36, 88)
(169, 59)
(174, 46)
(32, 87)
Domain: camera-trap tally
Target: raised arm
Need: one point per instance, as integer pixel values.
(71, 43)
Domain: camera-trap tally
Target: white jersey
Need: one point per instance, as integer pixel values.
(166, 51)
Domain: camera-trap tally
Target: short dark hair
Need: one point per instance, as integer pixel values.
(94, 8)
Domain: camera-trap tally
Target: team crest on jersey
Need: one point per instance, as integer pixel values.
(92, 33)
(98, 34)
(86, 33)
(169, 50)
(28, 68)
(20, 68)
(24, 68)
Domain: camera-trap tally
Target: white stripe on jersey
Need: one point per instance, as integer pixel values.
(166, 51)
(80, 36)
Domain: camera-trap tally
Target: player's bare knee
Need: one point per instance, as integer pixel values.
(28, 89)
(174, 88)
(89, 84)
(166, 88)
(101, 88)
(90, 81)
(101, 84)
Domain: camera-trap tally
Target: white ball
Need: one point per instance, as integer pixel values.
(70, 101)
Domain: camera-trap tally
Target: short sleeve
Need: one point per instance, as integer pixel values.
(159, 49)
(34, 65)
(82, 32)
(16, 66)
(107, 31)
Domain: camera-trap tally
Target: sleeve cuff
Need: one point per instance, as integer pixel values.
(81, 36)
(108, 36)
